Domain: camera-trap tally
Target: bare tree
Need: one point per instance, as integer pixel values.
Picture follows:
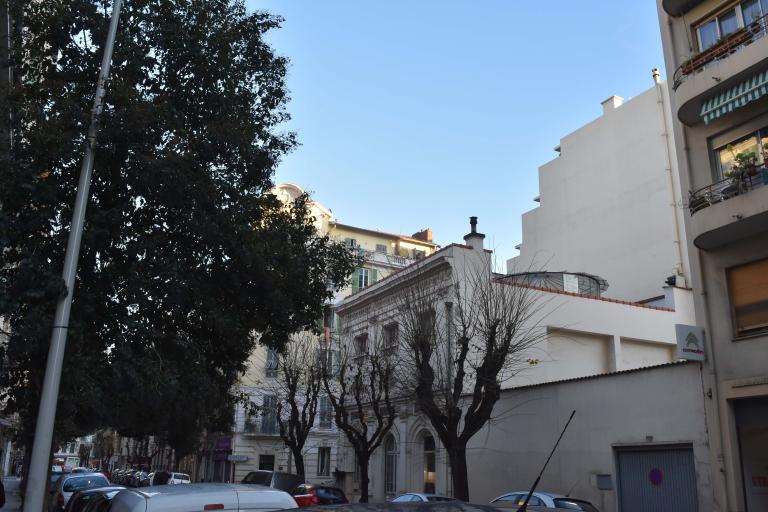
(463, 335)
(360, 388)
(299, 381)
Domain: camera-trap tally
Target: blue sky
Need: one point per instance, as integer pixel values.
(420, 113)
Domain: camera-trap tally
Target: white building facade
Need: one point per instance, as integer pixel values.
(610, 202)
(583, 336)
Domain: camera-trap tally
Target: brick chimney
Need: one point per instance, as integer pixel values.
(424, 235)
(473, 238)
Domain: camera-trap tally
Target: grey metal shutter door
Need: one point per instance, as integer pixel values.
(659, 479)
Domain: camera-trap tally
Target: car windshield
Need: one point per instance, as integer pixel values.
(572, 504)
(258, 477)
(84, 482)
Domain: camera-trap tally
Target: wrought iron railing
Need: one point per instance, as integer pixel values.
(722, 49)
(725, 189)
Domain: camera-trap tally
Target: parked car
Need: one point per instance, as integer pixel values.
(546, 499)
(83, 500)
(179, 478)
(200, 497)
(142, 479)
(80, 470)
(308, 495)
(418, 497)
(159, 477)
(275, 479)
(69, 484)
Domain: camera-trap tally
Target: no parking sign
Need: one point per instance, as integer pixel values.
(656, 477)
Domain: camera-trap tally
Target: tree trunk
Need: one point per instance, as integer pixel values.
(364, 480)
(298, 459)
(457, 457)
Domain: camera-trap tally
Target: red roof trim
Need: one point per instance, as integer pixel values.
(586, 296)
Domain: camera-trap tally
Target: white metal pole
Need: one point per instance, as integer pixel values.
(41, 450)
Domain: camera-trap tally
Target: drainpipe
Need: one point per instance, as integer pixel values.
(679, 265)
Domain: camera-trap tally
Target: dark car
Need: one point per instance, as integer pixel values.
(275, 479)
(432, 506)
(308, 495)
(88, 499)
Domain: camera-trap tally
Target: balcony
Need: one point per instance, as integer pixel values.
(679, 7)
(261, 427)
(385, 258)
(730, 210)
(726, 189)
(735, 58)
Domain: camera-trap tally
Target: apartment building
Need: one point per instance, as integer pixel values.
(608, 203)
(716, 53)
(256, 443)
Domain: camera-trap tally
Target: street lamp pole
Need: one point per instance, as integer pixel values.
(41, 450)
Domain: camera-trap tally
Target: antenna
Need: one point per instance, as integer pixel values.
(524, 506)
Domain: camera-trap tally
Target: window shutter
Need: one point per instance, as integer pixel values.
(356, 280)
(374, 275)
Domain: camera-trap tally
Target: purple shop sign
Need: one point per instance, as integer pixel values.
(223, 444)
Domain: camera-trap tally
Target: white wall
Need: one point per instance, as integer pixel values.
(606, 203)
(665, 404)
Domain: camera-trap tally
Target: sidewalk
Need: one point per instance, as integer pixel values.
(12, 496)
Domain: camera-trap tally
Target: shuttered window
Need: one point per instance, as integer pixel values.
(748, 290)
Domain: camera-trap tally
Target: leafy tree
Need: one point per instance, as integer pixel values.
(185, 254)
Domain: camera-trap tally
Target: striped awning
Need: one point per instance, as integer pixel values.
(735, 97)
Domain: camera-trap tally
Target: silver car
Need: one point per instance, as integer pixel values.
(419, 497)
(69, 484)
(544, 499)
(201, 497)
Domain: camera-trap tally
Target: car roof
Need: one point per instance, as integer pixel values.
(432, 506)
(71, 476)
(181, 497)
(540, 493)
(93, 490)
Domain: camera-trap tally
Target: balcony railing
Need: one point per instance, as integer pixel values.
(725, 189)
(722, 49)
(259, 426)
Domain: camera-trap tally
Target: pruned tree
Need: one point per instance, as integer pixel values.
(462, 335)
(297, 388)
(361, 391)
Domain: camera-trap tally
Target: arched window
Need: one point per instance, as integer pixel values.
(429, 463)
(390, 465)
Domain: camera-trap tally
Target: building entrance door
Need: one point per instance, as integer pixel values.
(656, 478)
(752, 428)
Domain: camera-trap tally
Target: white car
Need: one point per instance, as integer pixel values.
(419, 497)
(179, 478)
(201, 497)
(545, 499)
(68, 484)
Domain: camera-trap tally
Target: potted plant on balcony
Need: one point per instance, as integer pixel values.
(744, 166)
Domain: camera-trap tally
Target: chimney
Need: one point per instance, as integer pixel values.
(473, 238)
(656, 75)
(611, 103)
(424, 234)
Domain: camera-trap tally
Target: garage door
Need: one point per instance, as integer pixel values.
(658, 479)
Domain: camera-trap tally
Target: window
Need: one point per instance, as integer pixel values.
(390, 339)
(249, 427)
(350, 242)
(361, 345)
(731, 20)
(325, 408)
(429, 464)
(390, 464)
(272, 364)
(725, 156)
(327, 360)
(363, 277)
(269, 415)
(381, 248)
(324, 461)
(266, 462)
(748, 291)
